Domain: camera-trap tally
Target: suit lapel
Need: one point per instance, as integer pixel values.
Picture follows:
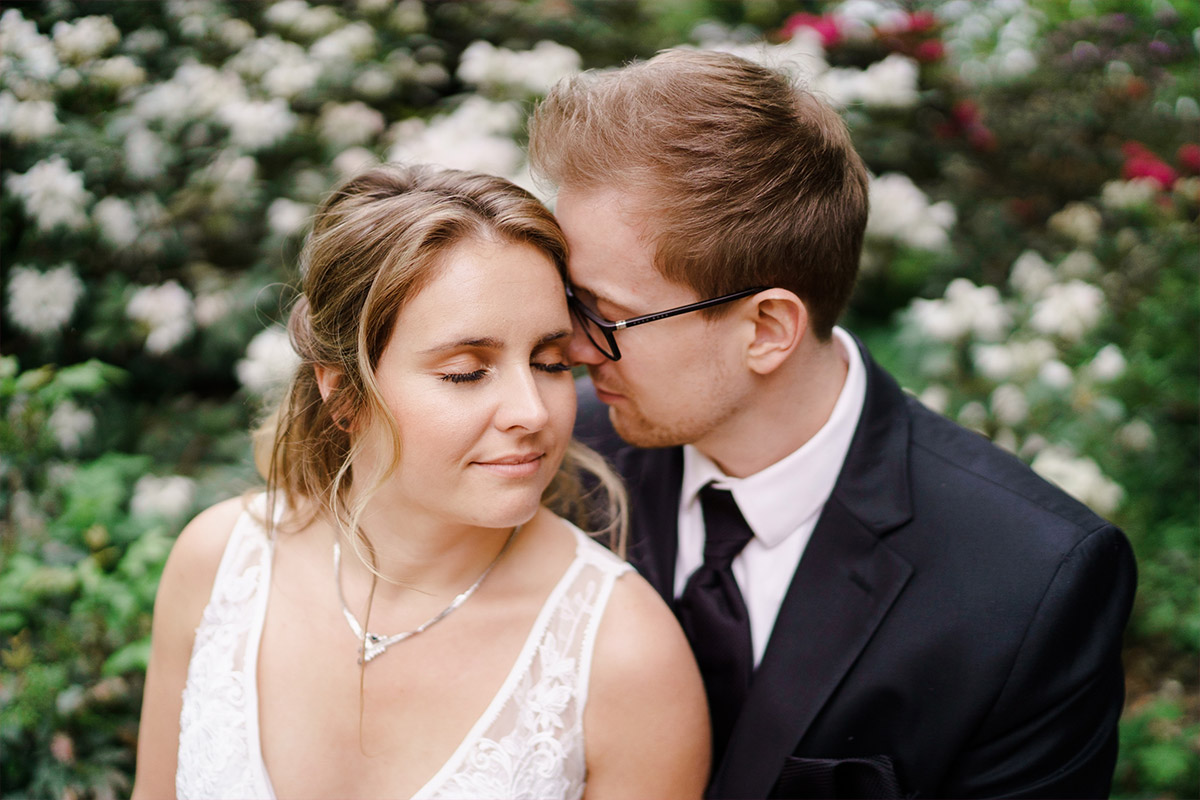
(842, 590)
(843, 587)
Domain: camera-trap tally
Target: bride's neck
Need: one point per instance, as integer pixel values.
(413, 552)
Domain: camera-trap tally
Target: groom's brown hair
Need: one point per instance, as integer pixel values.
(741, 178)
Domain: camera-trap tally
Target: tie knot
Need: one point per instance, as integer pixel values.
(726, 531)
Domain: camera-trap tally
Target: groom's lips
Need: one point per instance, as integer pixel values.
(605, 396)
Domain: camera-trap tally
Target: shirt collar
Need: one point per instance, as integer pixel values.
(777, 500)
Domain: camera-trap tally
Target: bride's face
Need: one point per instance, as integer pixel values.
(476, 377)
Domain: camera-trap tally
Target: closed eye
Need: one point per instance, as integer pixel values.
(463, 377)
(556, 367)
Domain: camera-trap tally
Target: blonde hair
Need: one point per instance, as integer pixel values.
(376, 241)
(744, 180)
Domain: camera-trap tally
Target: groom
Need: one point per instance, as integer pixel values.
(882, 603)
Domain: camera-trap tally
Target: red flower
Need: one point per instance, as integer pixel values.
(827, 27)
(1141, 163)
(1189, 158)
(930, 50)
(921, 22)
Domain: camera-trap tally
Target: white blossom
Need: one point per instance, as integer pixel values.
(70, 425)
(269, 361)
(301, 20)
(994, 361)
(901, 211)
(408, 17)
(235, 33)
(1078, 221)
(145, 41)
(117, 222)
(1031, 275)
(119, 72)
(1068, 310)
(801, 58)
(1079, 477)
(170, 496)
(966, 308)
(867, 14)
(1136, 435)
(890, 83)
(166, 311)
(85, 38)
(285, 13)
(353, 160)
(42, 303)
(144, 153)
(347, 124)
(287, 80)
(1006, 439)
(1078, 264)
(212, 307)
(936, 398)
(1108, 365)
(255, 125)
(1009, 404)
(22, 46)
(535, 71)
(1056, 375)
(287, 217)
(52, 194)
(374, 83)
(352, 43)
(232, 177)
(476, 136)
(194, 92)
(1126, 195)
(29, 120)
(973, 415)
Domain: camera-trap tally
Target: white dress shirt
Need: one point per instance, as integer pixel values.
(781, 503)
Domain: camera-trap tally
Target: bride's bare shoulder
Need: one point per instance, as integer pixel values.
(192, 566)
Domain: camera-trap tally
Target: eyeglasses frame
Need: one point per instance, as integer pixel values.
(609, 328)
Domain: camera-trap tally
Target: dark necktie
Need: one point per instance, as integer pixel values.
(713, 615)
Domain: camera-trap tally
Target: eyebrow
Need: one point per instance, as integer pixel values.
(624, 310)
(492, 343)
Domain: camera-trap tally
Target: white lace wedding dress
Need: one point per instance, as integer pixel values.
(527, 744)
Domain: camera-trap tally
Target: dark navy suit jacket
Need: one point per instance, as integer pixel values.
(953, 628)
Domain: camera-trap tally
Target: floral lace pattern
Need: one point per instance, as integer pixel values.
(529, 742)
(218, 726)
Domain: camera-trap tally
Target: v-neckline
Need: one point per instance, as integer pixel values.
(481, 723)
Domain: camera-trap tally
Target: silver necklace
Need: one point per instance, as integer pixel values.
(374, 644)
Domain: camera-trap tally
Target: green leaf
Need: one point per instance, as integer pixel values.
(133, 657)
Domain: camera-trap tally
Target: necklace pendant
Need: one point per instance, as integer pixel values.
(374, 648)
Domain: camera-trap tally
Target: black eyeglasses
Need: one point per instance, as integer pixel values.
(602, 333)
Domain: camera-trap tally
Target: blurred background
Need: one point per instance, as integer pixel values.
(1030, 271)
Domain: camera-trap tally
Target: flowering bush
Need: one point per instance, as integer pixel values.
(1030, 270)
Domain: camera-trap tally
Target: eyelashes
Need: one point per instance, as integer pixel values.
(464, 377)
(476, 375)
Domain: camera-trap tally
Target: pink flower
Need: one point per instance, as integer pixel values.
(62, 747)
(1189, 158)
(826, 27)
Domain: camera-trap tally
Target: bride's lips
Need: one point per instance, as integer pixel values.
(517, 465)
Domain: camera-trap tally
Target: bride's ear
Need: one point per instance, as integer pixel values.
(327, 379)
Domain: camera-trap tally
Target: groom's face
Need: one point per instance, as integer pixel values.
(677, 379)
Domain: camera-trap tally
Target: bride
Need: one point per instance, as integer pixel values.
(401, 614)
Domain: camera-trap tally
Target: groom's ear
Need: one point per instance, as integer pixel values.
(779, 320)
